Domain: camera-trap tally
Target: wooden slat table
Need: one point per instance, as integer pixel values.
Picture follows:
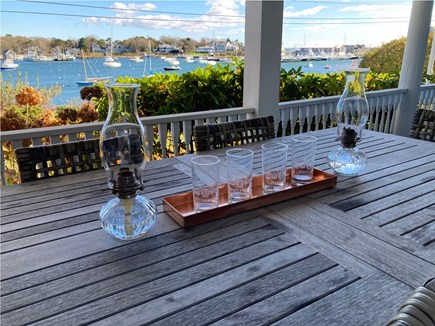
(343, 256)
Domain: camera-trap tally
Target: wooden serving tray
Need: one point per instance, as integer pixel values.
(180, 206)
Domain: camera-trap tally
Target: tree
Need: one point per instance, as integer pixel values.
(82, 44)
(388, 57)
(57, 43)
(136, 44)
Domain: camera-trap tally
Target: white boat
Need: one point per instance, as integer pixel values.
(89, 81)
(148, 62)
(109, 61)
(42, 58)
(172, 68)
(173, 61)
(137, 59)
(8, 64)
(60, 55)
(287, 59)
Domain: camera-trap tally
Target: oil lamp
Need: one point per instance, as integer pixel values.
(129, 215)
(352, 113)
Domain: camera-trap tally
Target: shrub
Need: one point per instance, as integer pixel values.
(87, 113)
(66, 114)
(28, 96)
(47, 118)
(12, 120)
(87, 93)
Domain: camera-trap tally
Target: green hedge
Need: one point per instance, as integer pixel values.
(221, 87)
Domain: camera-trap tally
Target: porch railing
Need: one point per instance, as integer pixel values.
(427, 97)
(175, 131)
(319, 113)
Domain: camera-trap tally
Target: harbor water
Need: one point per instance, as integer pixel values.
(68, 73)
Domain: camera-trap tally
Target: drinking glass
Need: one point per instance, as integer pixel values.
(205, 182)
(303, 150)
(274, 164)
(239, 174)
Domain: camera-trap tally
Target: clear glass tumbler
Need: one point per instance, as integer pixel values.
(205, 182)
(239, 174)
(303, 151)
(274, 166)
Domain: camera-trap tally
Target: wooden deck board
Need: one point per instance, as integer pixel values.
(388, 198)
(402, 225)
(248, 263)
(291, 299)
(369, 301)
(403, 210)
(28, 278)
(412, 270)
(137, 269)
(209, 288)
(298, 262)
(247, 294)
(423, 235)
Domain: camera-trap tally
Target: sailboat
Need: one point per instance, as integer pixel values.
(8, 63)
(109, 61)
(136, 59)
(148, 57)
(88, 81)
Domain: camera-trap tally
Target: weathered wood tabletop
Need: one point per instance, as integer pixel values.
(342, 256)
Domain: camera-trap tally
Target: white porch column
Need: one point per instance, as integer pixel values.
(263, 38)
(412, 64)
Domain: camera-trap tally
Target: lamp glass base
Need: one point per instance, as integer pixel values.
(347, 161)
(128, 218)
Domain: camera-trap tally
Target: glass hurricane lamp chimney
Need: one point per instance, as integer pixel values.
(352, 114)
(353, 108)
(123, 154)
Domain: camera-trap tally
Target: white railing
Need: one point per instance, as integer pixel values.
(427, 97)
(178, 125)
(319, 113)
(175, 130)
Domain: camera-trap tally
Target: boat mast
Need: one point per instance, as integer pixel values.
(84, 66)
(149, 55)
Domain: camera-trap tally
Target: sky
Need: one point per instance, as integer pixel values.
(307, 23)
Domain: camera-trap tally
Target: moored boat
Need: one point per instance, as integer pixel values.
(111, 62)
(172, 68)
(92, 81)
(89, 81)
(136, 59)
(8, 64)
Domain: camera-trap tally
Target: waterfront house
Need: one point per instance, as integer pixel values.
(9, 54)
(204, 49)
(166, 48)
(225, 46)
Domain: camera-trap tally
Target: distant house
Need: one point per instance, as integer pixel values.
(9, 54)
(225, 47)
(204, 49)
(231, 47)
(95, 48)
(121, 49)
(166, 48)
(220, 47)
